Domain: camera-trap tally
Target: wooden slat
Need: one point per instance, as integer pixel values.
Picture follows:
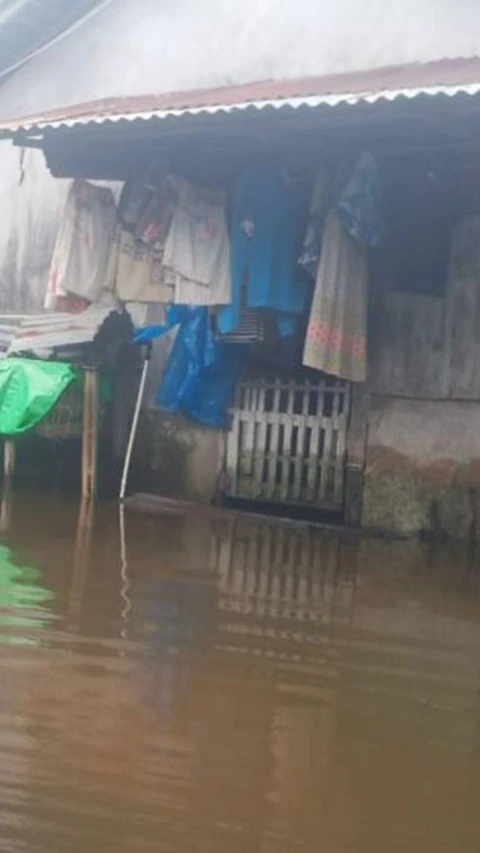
(326, 453)
(314, 459)
(233, 441)
(271, 484)
(278, 541)
(249, 447)
(253, 427)
(287, 440)
(260, 441)
(238, 575)
(264, 569)
(251, 568)
(407, 346)
(300, 451)
(283, 418)
(225, 556)
(332, 480)
(289, 569)
(233, 453)
(341, 449)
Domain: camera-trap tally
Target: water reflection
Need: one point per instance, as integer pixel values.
(237, 685)
(124, 577)
(81, 558)
(6, 508)
(23, 601)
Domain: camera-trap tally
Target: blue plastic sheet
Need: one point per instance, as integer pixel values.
(200, 374)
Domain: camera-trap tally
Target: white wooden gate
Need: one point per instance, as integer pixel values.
(287, 442)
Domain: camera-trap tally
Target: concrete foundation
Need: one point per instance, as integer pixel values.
(176, 458)
(423, 467)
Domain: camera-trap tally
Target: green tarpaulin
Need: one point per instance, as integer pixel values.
(29, 389)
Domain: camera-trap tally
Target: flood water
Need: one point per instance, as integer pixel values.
(233, 686)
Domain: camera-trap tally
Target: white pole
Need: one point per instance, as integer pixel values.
(133, 428)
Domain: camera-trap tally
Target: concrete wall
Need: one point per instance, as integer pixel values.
(141, 46)
(423, 467)
(423, 451)
(31, 202)
(176, 458)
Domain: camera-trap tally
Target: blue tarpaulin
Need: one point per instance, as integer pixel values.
(201, 372)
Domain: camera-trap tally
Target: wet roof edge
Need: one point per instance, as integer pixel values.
(461, 77)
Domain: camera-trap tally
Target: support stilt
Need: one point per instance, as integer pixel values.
(90, 432)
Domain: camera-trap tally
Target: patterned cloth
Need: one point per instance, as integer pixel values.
(336, 340)
(140, 275)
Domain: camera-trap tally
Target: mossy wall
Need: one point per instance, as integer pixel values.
(423, 467)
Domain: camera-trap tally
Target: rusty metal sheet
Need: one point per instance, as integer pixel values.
(442, 78)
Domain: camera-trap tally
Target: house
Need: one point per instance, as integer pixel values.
(206, 89)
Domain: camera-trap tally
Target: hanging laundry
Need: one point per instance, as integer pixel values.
(359, 205)
(263, 246)
(155, 222)
(140, 275)
(134, 201)
(336, 340)
(146, 211)
(82, 259)
(319, 206)
(197, 251)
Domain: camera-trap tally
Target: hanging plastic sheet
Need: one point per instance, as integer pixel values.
(201, 372)
(29, 389)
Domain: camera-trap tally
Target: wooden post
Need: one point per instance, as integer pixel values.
(9, 457)
(90, 432)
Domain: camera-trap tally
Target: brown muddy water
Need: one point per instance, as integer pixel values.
(233, 686)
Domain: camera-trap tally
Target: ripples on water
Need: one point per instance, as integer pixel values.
(233, 686)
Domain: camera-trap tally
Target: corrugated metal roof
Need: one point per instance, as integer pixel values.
(444, 78)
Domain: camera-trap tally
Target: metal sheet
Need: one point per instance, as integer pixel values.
(447, 79)
(48, 331)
